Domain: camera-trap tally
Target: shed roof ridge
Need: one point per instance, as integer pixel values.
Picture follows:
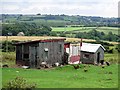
(42, 40)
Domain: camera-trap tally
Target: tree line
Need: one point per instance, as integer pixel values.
(33, 29)
(94, 34)
(61, 20)
(29, 29)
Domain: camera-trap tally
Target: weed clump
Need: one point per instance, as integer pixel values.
(19, 83)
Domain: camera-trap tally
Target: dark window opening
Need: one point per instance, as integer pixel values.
(26, 56)
(86, 55)
(60, 47)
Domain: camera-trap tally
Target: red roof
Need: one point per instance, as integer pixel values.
(46, 40)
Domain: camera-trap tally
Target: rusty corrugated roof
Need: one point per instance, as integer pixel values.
(45, 40)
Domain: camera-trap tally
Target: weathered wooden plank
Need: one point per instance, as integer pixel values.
(50, 52)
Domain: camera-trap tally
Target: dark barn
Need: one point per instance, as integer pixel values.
(33, 53)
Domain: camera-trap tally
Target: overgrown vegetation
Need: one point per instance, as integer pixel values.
(7, 46)
(8, 58)
(19, 83)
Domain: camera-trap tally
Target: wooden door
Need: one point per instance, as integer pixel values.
(32, 56)
(98, 57)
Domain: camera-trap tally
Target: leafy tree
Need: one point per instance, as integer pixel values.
(53, 33)
(29, 29)
(94, 34)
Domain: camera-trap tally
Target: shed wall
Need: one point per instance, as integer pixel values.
(74, 52)
(33, 54)
(87, 58)
(55, 52)
(101, 54)
(92, 56)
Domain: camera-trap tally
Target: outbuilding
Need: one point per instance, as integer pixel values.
(33, 53)
(73, 49)
(91, 53)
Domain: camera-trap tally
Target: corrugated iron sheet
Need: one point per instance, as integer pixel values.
(74, 58)
(88, 47)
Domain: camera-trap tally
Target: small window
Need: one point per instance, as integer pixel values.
(46, 53)
(86, 56)
(74, 50)
(46, 49)
(60, 47)
(26, 56)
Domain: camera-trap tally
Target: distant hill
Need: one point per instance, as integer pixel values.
(89, 27)
(60, 20)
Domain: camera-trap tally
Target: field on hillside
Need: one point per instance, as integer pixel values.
(106, 30)
(27, 38)
(67, 76)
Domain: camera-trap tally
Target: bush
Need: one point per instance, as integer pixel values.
(110, 51)
(118, 48)
(10, 56)
(62, 34)
(8, 46)
(19, 83)
(53, 33)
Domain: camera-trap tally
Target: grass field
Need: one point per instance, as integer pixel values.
(59, 29)
(67, 76)
(106, 30)
(27, 38)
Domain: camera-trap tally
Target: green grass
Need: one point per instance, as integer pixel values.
(67, 77)
(114, 30)
(106, 30)
(113, 58)
(8, 58)
(59, 29)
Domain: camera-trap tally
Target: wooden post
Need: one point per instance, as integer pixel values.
(80, 50)
(7, 43)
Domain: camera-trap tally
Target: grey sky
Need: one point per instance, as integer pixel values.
(104, 8)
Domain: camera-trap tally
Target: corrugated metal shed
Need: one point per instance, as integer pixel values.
(91, 53)
(88, 47)
(33, 53)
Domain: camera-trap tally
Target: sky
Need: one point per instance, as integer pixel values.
(102, 8)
